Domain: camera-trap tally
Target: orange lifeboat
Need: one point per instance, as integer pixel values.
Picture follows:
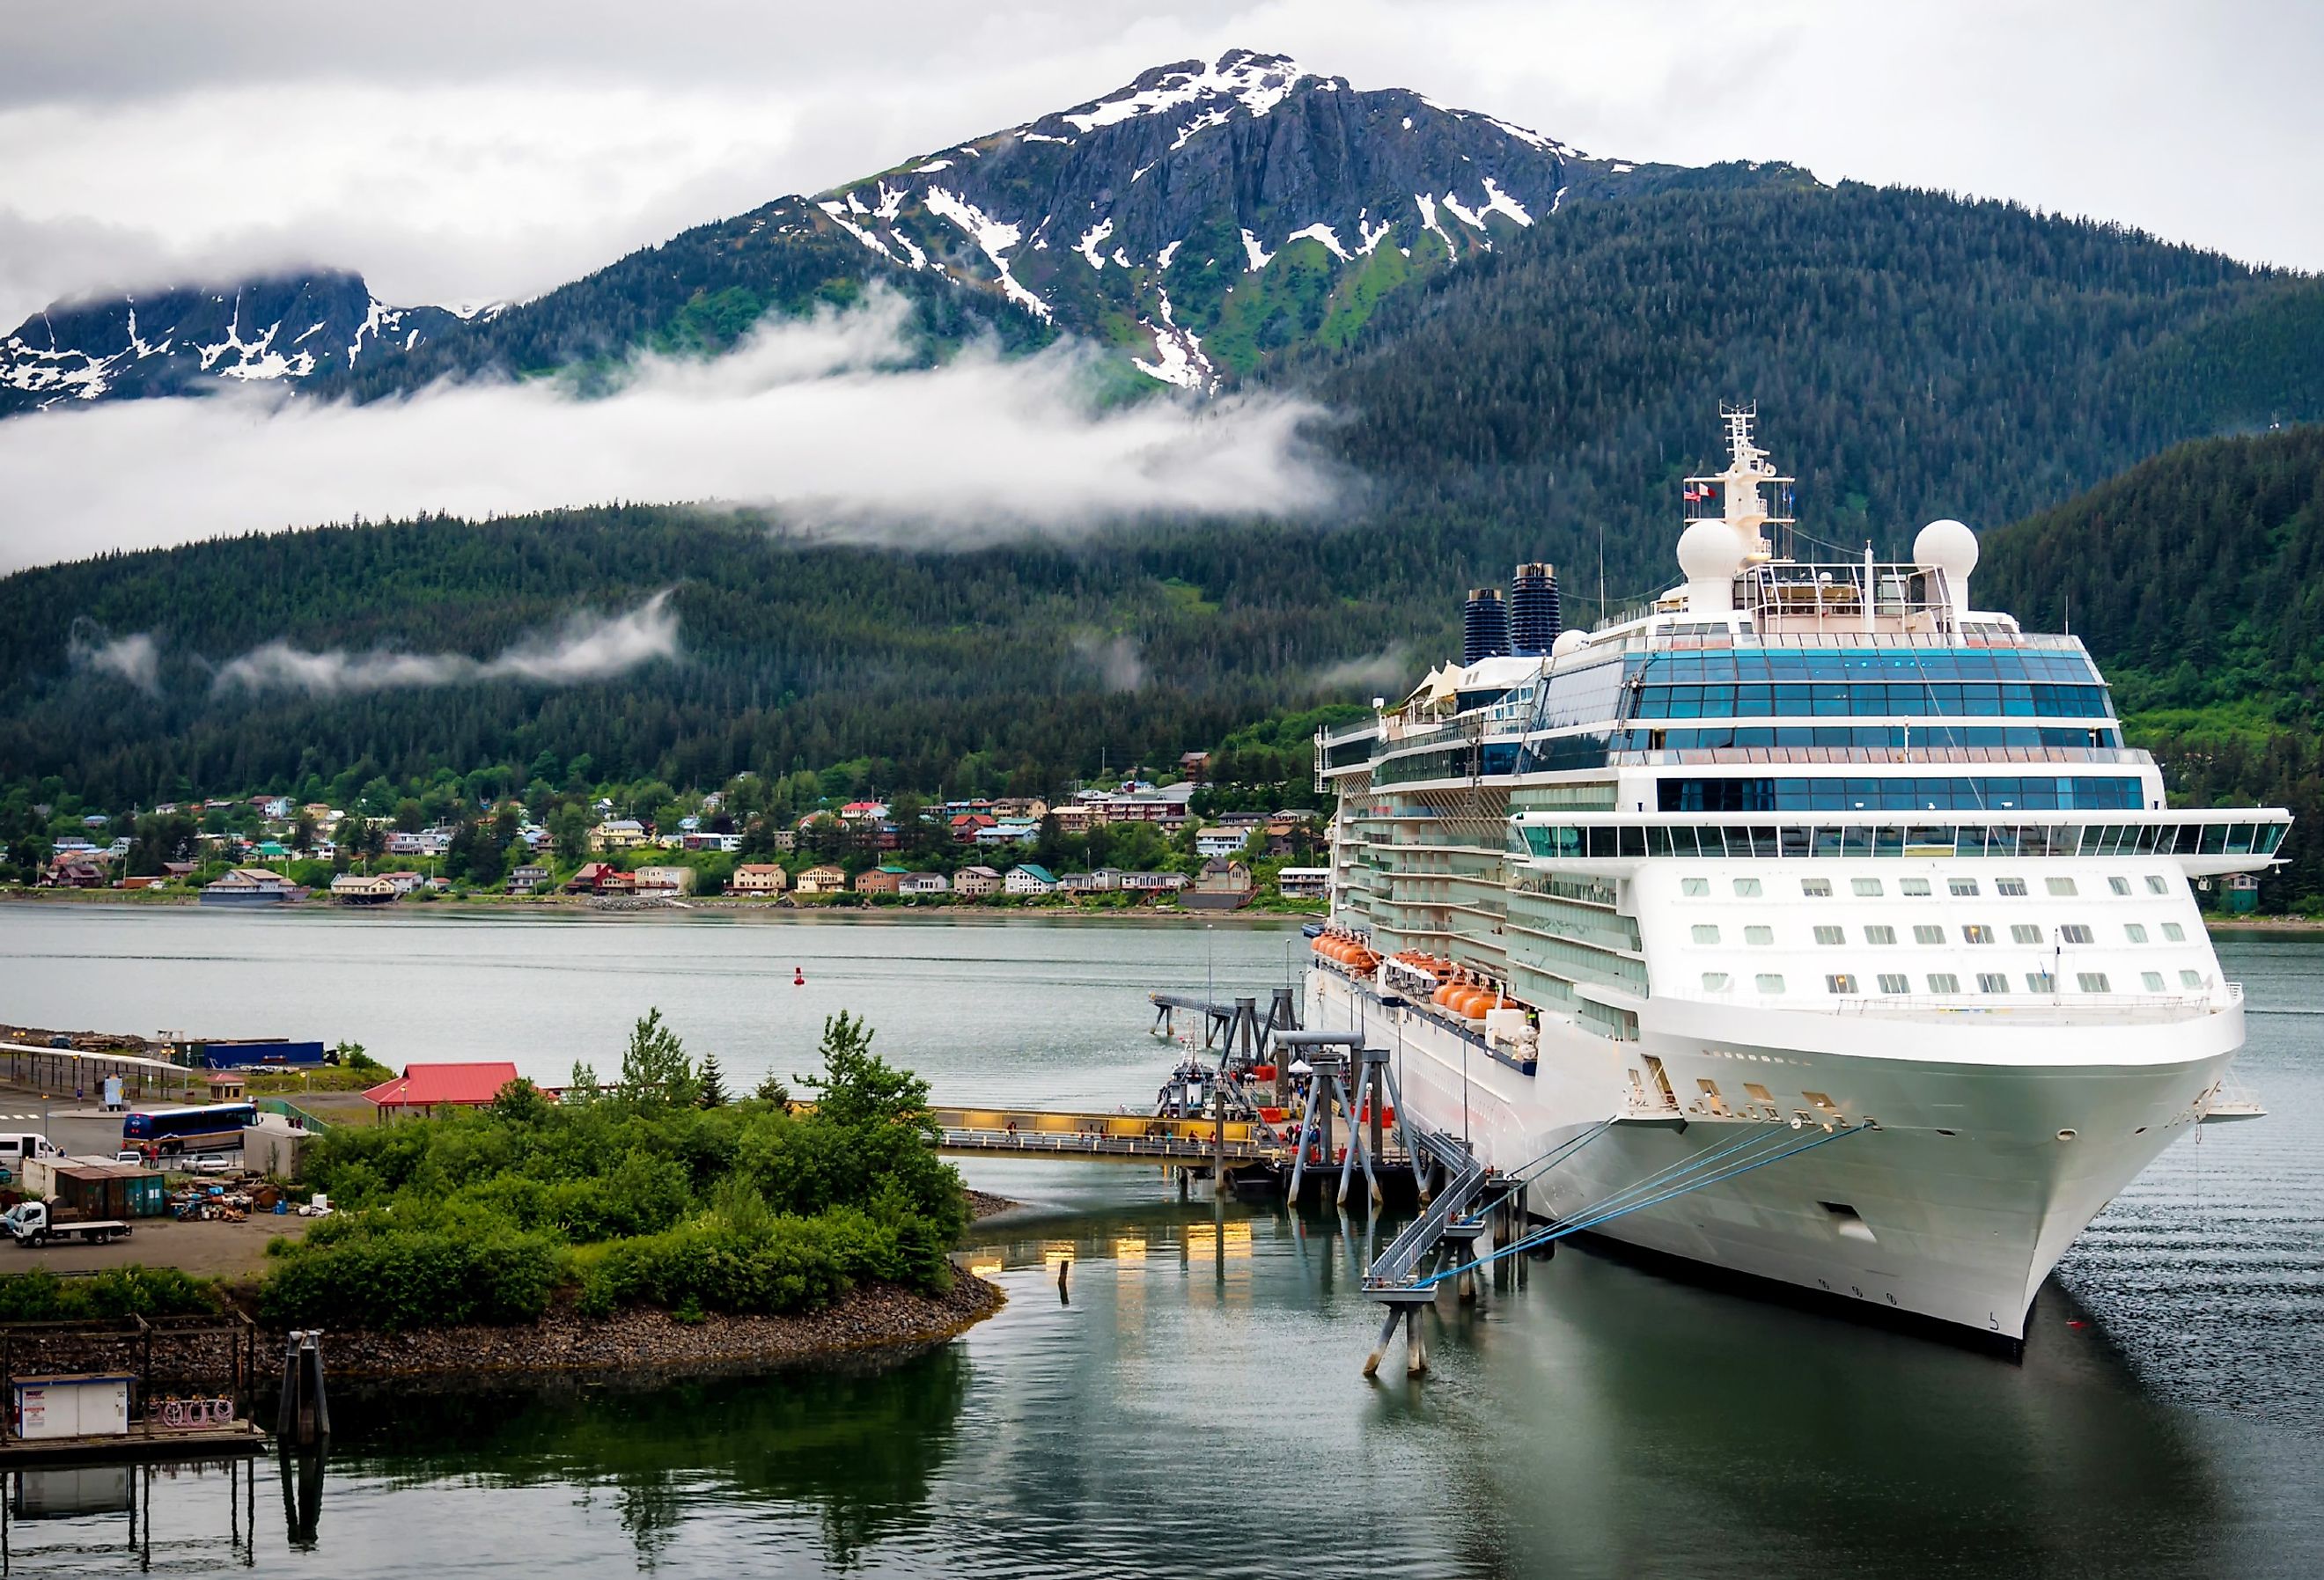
(1442, 996)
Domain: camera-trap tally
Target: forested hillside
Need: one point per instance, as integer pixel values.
(1912, 357)
(2198, 582)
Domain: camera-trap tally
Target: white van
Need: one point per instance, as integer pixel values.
(15, 1148)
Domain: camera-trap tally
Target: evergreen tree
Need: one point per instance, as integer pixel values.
(655, 1070)
(712, 1082)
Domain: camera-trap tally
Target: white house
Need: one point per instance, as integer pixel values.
(924, 883)
(1028, 878)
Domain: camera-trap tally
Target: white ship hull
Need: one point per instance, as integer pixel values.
(1993, 1147)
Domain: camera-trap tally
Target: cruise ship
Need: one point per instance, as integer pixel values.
(1798, 845)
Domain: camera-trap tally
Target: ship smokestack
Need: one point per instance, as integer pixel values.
(1484, 626)
(1533, 619)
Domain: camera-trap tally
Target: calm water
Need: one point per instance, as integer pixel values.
(1193, 1407)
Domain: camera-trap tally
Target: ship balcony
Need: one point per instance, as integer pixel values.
(1883, 756)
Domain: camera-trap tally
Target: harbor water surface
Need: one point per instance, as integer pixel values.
(1189, 1404)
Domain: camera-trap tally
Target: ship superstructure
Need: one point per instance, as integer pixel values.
(1802, 844)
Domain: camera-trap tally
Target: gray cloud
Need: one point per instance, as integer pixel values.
(588, 648)
(813, 417)
(1115, 659)
(136, 658)
(1389, 669)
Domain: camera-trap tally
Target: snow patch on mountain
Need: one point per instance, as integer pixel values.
(991, 237)
(1258, 82)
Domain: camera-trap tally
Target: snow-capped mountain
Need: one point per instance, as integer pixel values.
(183, 340)
(1206, 214)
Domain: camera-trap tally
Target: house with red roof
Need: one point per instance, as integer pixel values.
(424, 1087)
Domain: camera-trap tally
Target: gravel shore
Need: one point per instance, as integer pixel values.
(872, 1316)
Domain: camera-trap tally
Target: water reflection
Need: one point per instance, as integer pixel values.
(858, 1445)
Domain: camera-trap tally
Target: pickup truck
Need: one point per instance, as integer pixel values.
(34, 1222)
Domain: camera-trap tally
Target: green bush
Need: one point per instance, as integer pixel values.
(364, 1271)
(628, 1198)
(142, 1291)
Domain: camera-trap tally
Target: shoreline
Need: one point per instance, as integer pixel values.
(868, 1320)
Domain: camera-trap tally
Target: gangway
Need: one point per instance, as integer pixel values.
(1106, 1138)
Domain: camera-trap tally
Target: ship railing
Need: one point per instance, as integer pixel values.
(2044, 1007)
(1679, 756)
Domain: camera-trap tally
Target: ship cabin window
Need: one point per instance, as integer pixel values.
(2153, 980)
(1841, 983)
(1831, 934)
(1694, 888)
(1916, 888)
(1992, 982)
(1759, 1093)
(2119, 885)
(1962, 888)
(1879, 934)
(2190, 979)
(1944, 981)
(1975, 933)
(2040, 981)
(1716, 981)
(1769, 981)
(2025, 932)
(2011, 888)
(2093, 981)
(1816, 888)
(2157, 884)
(1704, 933)
(2134, 933)
(2061, 887)
(1868, 888)
(1926, 934)
(2172, 931)
(1895, 982)
(2074, 932)
(1746, 888)
(1758, 935)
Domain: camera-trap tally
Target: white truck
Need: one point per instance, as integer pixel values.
(35, 1223)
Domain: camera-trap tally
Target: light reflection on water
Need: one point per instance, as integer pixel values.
(1189, 1404)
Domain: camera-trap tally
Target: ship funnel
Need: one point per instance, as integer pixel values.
(1533, 622)
(1484, 626)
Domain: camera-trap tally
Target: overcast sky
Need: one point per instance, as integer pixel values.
(461, 152)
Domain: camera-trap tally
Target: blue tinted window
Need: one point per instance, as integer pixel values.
(1967, 793)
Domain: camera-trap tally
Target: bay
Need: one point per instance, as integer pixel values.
(1190, 1403)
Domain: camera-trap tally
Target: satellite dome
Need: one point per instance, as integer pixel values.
(1948, 546)
(1709, 550)
(1567, 642)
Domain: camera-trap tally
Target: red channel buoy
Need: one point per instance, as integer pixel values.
(798, 976)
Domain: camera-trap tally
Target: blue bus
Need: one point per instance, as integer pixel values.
(161, 1133)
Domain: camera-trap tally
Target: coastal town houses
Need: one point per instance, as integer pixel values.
(431, 1088)
(1303, 882)
(664, 881)
(355, 889)
(975, 882)
(883, 880)
(617, 834)
(822, 880)
(1221, 885)
(923, 885)
(760, 878)
(600, 878)
(1221, 839)
(1152, 885)
(1028, 881)
(527, 879)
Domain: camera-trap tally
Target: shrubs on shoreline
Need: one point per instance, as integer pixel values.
(39, 1295)
(640, 1196)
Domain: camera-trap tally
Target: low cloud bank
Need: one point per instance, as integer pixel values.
(587, 649)
(817, 417)
(136, 658)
